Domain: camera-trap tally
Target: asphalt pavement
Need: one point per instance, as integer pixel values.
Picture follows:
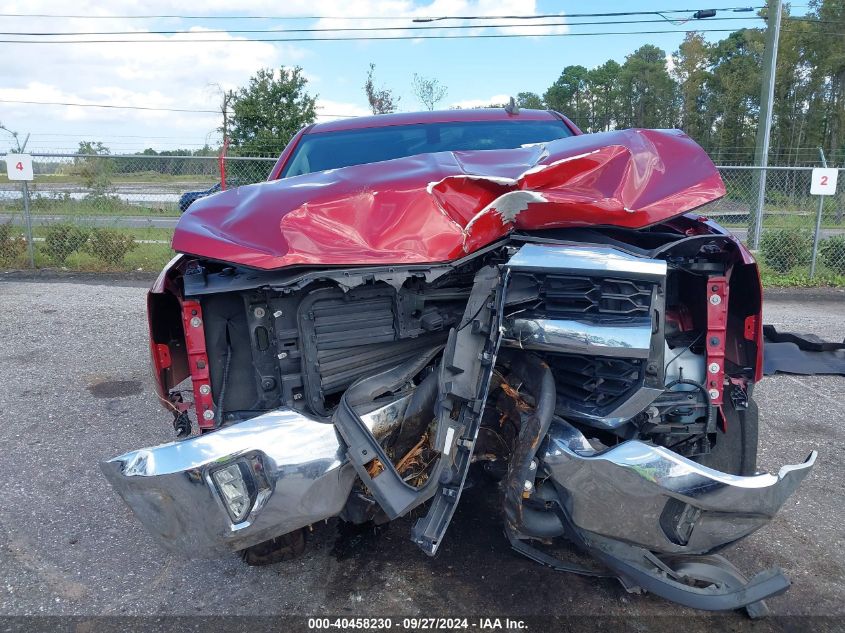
(75, 390)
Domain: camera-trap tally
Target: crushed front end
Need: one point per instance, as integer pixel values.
(604, 374)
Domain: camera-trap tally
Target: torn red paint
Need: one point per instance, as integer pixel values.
(439, 207)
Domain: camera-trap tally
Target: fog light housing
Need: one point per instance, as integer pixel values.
(233, 485)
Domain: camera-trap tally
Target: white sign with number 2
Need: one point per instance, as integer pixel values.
(19, 166)
(823, 182)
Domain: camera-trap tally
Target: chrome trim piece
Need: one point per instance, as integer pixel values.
(618, 338)
(626, 410)
(622, 493)
(305, 477)
(581, 259)
(611, 336)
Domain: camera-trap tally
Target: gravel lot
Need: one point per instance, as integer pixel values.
(68, 545)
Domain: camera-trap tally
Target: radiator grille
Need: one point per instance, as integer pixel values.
(339, 324)
(588, 383)
(568, 297)
(350, 336)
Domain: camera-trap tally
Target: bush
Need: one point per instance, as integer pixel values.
(12, 245)
(784, 249)
(109, 245)
(833, 253)
(62, 241)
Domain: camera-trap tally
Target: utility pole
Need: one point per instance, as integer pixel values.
(764, 123)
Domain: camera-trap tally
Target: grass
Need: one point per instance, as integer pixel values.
(799, 277)
(146, 256)
(88, 207)
(802, 280)
(781, 220)
(139, 233)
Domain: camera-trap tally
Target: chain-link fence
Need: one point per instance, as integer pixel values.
(780, 156)
(800, 234)
(107, 212)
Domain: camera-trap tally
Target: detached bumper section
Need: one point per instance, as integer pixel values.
(656, 499)
(243, 484)
(653, 517)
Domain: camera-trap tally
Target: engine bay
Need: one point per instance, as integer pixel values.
(628, 348)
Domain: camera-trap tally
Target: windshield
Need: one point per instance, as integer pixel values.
(331, 150)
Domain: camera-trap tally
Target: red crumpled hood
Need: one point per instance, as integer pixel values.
(439, 207)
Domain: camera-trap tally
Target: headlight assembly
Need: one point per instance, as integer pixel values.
(233, 484)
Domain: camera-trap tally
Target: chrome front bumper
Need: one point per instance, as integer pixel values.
(651, 497)
(298, 465)
(636, 493)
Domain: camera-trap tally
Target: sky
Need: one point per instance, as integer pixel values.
(182, 73)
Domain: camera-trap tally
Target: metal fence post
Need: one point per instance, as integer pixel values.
(27, 216)
(30, 248)
(759, 206)
(817, 234)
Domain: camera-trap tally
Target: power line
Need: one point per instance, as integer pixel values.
(360, 38)
(346, 29)
(370, 17)
(123, 107)
(579, 15)
(171, 138)
(103, 105)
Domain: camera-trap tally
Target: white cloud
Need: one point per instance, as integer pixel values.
(179, 73)
(176, 73)
(481, 103)
(379, 9)
(328, 110)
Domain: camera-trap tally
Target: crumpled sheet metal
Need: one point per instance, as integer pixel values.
(439, 207)
(622, 493)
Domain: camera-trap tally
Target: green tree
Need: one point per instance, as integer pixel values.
(530, 101)
(713, 91)
(93, 147)
(647, 92)
(733, 100)
(429, 90)
(827, 59)
(568, 95)
(270, 110)
(381, 100)
(94, 171)
(603, 87)
(690, 68)
(795, 86)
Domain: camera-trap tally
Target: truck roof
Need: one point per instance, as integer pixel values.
(437, 116)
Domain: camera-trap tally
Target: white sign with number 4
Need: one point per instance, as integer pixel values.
(823, 182)
(19, 166)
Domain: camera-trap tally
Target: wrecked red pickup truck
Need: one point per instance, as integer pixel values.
(411, 295)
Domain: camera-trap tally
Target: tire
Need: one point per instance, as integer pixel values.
(735, 451)
(284, 547)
